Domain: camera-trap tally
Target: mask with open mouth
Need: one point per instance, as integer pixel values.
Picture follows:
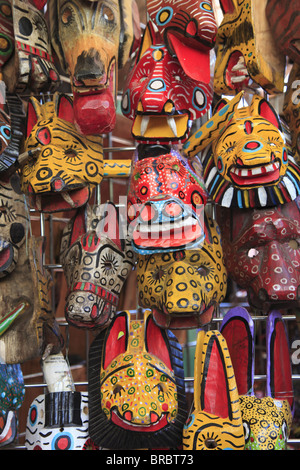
(32, 66)
(136, 386)
(92, 39)
(189, 31)
(249, 165)
(184, 288)
(261, 253)
(159, 97)
(67, 165)
(241, 54)
(165, 202)
(97, 259)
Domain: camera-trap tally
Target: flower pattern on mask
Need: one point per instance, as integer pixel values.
(135, 385)
(183, 288)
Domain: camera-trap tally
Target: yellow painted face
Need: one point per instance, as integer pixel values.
(67, 165)
(140, 394)
(183, 288)
(246, 49)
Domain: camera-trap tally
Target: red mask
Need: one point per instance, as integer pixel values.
(189, 30)
(165, 199)
(160, 98)
(261, 253)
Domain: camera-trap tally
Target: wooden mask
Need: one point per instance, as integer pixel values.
(31, 68)
(291, 110)
(136, 386)
(97, 259)
(92, 39)
(189, 31)
(66, 165)
(261, 253)
(165, 204)
(7, 44)
(159, 97)
(249, 164)
(183, 288)
(266, 420)
(246, 49)
(215, 422)
(284, 21)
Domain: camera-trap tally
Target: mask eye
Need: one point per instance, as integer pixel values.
(203, 270)
(43, 136)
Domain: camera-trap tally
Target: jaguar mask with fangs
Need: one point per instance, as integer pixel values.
(64, 165)
(159, 97)
(136, 387)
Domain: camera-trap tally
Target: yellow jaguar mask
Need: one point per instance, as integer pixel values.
(183, 288)
(136, 387)
(65, 165)
(249, 164)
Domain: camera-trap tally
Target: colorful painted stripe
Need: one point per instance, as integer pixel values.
(21, 46)
(97, 290)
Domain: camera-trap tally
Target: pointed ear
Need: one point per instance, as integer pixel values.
(116, 339)
(156, 342)
(227, 6)
(109, 224)
(64, 107)
(238, 330)
(279, 371)
(148, 40)
(215, 388)
(33, 115)
(265, 110)
(220, 104)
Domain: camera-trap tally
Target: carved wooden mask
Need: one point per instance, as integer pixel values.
(92, 39)
(61, 175)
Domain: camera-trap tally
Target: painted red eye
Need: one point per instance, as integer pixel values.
(44, 136)
(147, 213)
(172, 209)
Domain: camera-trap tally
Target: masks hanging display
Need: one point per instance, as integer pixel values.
(283, 18)
(261, 253)
(136, 386)
(249, 165)
(31, 67)
(267, 420)
(92, 40)
(166, 198)
(66, 166)
(246, 50)
(159, 97)
(189, 31)
(58, 419)
(97, 258)
(215, 422)
(184, 288)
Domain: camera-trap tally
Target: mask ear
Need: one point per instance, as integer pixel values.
(64, 107)
(156, 343)
(215, 389)
(265, 110)
(238, 329)
(109, 224)
(116, 339)
(279, 372)
(227, 6)
(33, 115)
(148, 40)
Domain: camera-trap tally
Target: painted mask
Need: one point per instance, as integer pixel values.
(291, 110)
(262, 255)
(249, 165)
(32, 67)
(183, 288)
(215, 422)
(8, 427)
(97, 259)
(165, 203)
(159, 97)
(58, 420)
(241, 49)
(66, 165)
(92, 39)
(11, 135)
(7, 44)
(189, 32)
(267, 420)
(283, 18)
(136, 387)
